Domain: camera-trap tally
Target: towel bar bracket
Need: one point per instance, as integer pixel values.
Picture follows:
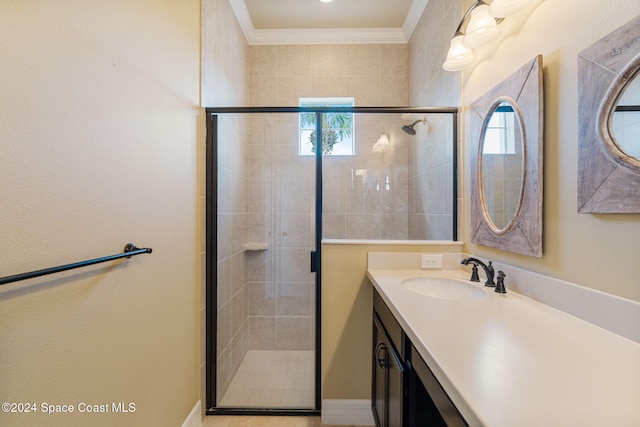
(130, 247)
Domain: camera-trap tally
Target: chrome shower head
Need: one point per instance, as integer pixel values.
(409, 129)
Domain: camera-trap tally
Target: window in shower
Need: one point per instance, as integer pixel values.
(337, 128)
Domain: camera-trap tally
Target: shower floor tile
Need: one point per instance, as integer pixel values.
(273, 379)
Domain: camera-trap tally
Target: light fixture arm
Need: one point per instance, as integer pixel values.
(467, 14)
(484, 29)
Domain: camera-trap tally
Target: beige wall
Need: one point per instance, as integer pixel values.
(347, 304)
(98, 148)
(597, 251)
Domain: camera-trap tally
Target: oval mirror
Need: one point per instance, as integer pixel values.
(501, 166)
(624, 123)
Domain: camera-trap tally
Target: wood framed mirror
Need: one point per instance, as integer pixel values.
(609, 123)
(506, 163)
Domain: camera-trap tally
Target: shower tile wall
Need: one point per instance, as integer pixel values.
(280, 212)
(232, 283)
(225, 58)
(281, 297)
(430, 180)
(373, 75)
(430, 85)
(366, 195)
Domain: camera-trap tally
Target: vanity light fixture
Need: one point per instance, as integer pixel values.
(479, 26)
(326, 1)
(504, 8)
(482, 28)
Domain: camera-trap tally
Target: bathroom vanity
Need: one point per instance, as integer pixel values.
(474, 357)
(404, 390)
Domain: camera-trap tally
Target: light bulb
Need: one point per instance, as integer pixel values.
(482, 28)
(459, 56)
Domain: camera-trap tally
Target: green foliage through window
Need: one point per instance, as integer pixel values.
(337, 129)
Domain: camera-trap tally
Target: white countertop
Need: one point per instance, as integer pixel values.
(507, 360)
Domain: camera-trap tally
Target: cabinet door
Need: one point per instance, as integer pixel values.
(395, 390)
(379, 376)
(387, 381)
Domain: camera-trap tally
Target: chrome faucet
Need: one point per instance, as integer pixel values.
(488, 270)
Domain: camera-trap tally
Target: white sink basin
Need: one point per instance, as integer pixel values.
(444, 288)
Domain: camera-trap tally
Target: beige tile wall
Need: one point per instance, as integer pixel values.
(430, 85)
(280, 188)
(375, 75)
(281, 301)
(225, 54)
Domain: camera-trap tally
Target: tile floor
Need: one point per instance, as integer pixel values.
(273, 379)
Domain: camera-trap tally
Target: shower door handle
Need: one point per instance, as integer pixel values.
(314, 261)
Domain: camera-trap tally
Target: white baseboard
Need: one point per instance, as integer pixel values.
(194, 419)
(347, 412)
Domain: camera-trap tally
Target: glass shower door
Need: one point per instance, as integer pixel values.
(265, 320)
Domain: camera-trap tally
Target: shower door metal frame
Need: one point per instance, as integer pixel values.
(211, 203)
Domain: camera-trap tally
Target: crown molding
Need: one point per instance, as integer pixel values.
(413, 17)
(328, 36)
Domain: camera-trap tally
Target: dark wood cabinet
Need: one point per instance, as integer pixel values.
(388, 379)
(405, 393)
(388, 369)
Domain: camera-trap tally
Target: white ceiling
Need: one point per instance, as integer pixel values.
(341, 21)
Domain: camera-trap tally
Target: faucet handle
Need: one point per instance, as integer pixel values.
(500, 283)
(474, 274)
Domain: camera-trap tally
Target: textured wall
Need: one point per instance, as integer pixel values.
(98, 148)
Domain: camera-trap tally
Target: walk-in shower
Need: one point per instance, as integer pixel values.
(271, 200)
